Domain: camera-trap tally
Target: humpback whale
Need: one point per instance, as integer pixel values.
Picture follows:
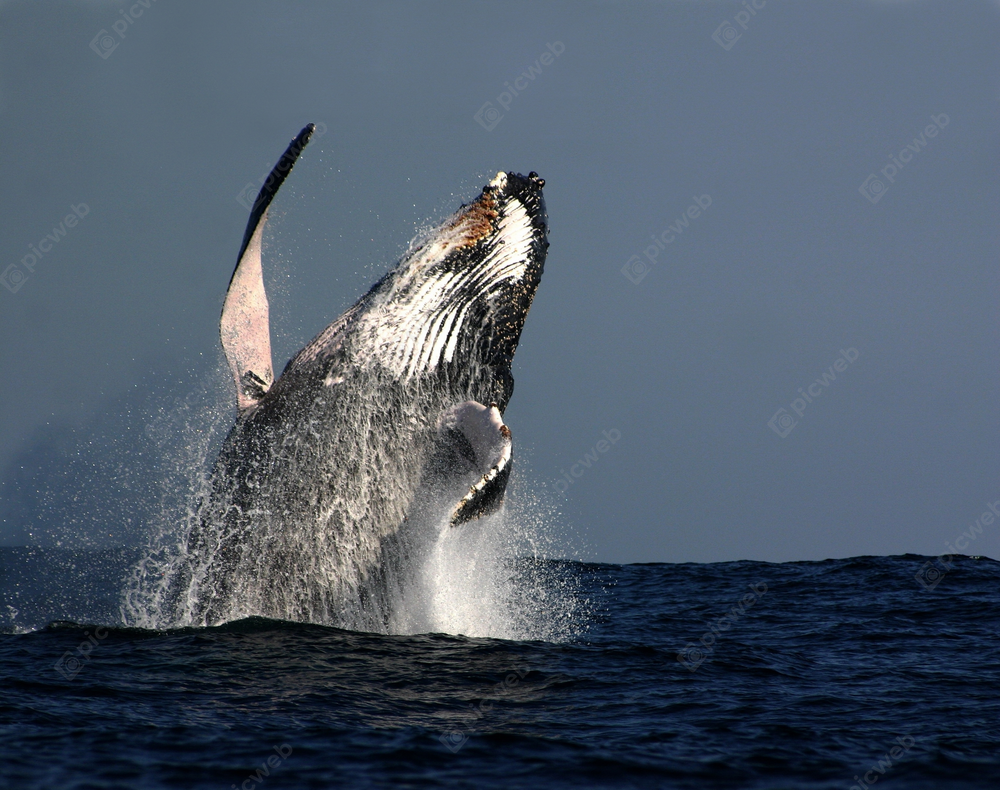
(388, 423)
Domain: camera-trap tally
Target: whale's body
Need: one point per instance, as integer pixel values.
(388, 419)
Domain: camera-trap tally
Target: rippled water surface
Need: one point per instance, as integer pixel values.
(798, 675)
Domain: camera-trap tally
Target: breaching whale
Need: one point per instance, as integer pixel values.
(390, 420)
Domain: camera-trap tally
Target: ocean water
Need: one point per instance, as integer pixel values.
(835, 674)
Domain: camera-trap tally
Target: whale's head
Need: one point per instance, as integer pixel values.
(461, 295)
(453, 308)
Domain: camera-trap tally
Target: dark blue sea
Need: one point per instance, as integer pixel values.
(835, 674)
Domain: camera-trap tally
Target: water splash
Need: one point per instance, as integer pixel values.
(488, 578)
(186, 438)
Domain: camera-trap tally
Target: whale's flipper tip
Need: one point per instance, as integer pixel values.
(245, 323)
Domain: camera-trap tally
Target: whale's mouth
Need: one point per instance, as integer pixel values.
(473, 446)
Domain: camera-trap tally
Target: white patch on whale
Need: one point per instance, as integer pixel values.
(412, 333)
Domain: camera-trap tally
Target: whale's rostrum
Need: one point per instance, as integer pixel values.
(387, 425)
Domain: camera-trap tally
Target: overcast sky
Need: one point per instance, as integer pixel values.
(740, 195)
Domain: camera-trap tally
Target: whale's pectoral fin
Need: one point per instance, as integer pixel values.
(478, 440)
(245, 326)
(486, 495)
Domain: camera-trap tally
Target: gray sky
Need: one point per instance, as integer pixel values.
(848, 152)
